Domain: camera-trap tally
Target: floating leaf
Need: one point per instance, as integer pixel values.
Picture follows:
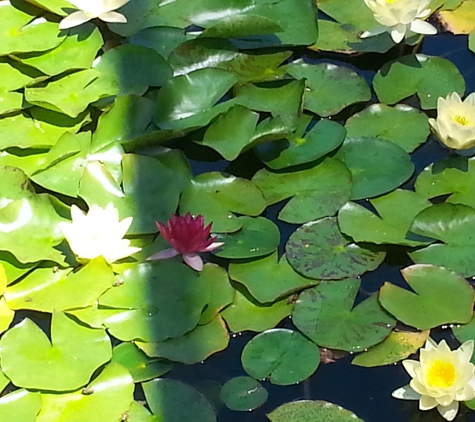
(20, 406)
(284, 356)
(326, 315)
(10, 102)
(441, 297)
(243, 394)
(162, 39)
(461, 20)
(319, 250)
(13, 77)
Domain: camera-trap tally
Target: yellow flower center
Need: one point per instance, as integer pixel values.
(440, 374)
(462, 120)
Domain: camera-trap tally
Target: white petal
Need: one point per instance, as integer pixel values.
(398, 32)
(410, 366)
(449, 412)
(166, 254)
(213, 246)
(375, 31)
(114, 17)
(427, 403)
(465, 351)
(74, 19)
(406, 393)
(109, 5)
(422, 27)
(193, 260)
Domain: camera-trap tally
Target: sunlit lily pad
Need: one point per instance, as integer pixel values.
(284, 356)
(461, 20)
(243, 394)
(10, 102)
(326, 315)
(319, 250)
(441, 297)
(317, 192)
(6, 314)
(427, 76)
(218, 196)
(13, 76)
(15, 185)
(30, 360)
(20, 406)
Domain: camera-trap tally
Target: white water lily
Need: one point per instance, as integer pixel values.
(400, 18)
(91, 9)
(455, 123)
(442, 378)
(99, 233)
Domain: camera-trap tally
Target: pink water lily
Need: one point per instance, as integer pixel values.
(187, 235)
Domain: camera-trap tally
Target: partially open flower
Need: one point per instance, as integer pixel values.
(99, 233)
(400, 18)
(455, 124)
(441, 379)
(91, 9)
(187, 236)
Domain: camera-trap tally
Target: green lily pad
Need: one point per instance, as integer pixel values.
(106, 399)
(284, 356)
(471, 41)
(356, 14)
(397, 346)
(243, 394)
(183, 402)
(319, 250)
(317, 410)
(10, 102)
(163, 39)
(14, 269)
(235, 26)
(257, 236)
(15, 185)
(6, 315)
(30, 360)
(246, 313)
(56, 6)
(194, 347)
(141, 367)
(49, 289)
(452, 224)
(329, 88)
(323, 138)
(153, 311)
(428, 77)
(139, 413)
(217, 196)
(402, 124)
(20, 406)
(268, 279)
(317, 192)
(13, 76)
(395, 213)
(441, 297)
(326, 315)
(460, 20)
(377, 165)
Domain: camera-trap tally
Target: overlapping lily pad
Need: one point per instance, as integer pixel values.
(20, 406)
(243, 394)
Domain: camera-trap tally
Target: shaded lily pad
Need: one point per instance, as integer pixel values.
(428, 77)
(194, 347)
(402, 124)
(20, 406)
(319, 250)
(377, 165)
(441, 297)
(395, 213)
(30, 360)
(268, 278)
(326, 315)
(317, 192)
(163, 39)
(283, 356)
(183, 402)
(218, 196)
(322, 411)
(241, 25)
(243, 394)
(397, 346)
(329, 88)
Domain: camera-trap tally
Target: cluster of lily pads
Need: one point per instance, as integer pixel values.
(102, 114)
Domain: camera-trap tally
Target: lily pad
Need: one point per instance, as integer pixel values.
(326, 315)
(10, 102)
(20, 406)
(377, 165)
(329, 88)
(243, 394)
(218, 196)
(15, 185)
(163, 39)
(13, 76)
(428, 77)
(461, 20)
(317, 192)
(395, 213)
(401, 124)
(319, 250)
(441, 297)
(283, 356)
(30, 360)
(268, 279)
(183, 402)
(465, 332)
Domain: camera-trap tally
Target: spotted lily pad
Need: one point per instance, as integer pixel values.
(326, 315)
(20, 406)
(284, 356)
(30, 360)
(243, 394)
(319, 250)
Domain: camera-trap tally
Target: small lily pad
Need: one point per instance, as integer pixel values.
(319, 250)
(284, 356)
(20, 406)
(243, 394)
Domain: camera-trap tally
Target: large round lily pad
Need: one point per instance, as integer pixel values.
(319, 250)
(284, 356)
(243, 394)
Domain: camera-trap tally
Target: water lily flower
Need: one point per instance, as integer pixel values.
(441, 378)
(188, 236)
(400, 18)
(99, 233)
(455, 124)
(91, 9)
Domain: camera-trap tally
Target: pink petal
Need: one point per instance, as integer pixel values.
(193, 260)
(214, 245)
(166, 254)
